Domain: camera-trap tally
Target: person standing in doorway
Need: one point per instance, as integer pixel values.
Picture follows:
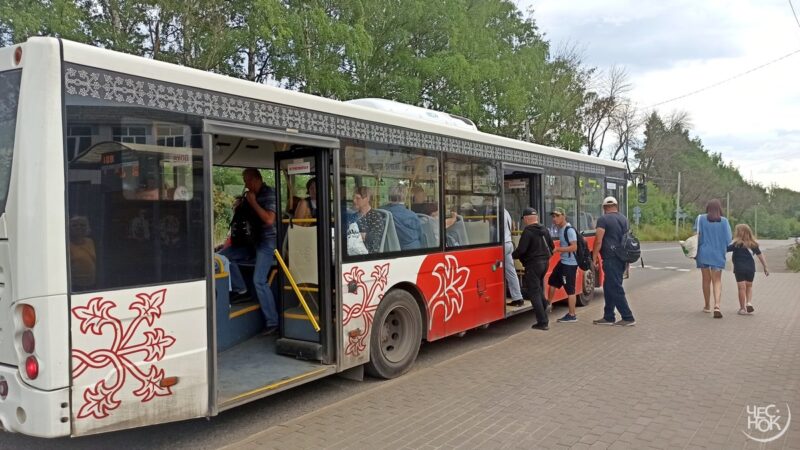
(713, 237)
(534, 251)
(512, 280)
(261, 200)
(610, 229)
(566, 270)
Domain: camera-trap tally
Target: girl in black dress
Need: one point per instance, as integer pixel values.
(744, 246)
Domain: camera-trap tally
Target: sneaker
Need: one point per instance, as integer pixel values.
(743, 312)
(602, 322)
(516, 303)
(239, 297)
(750, 308)
(269, 331)
(542, 327)
(568, 318)
(625, 323)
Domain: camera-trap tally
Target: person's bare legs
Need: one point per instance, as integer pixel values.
(749, 295)
(571, 303)
(706, 288)
(742, 287)
(716, 281)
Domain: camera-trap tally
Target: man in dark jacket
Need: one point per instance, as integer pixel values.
(534, 251)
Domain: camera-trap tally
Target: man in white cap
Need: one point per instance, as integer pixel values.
(611, 227)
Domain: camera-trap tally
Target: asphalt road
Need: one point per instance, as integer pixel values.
(661, 260)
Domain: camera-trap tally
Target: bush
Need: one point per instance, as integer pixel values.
(664, 232)
(793, 259)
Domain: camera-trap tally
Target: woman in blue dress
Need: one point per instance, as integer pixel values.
(713, 237)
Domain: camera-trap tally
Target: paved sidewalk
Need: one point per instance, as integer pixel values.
(679, 379)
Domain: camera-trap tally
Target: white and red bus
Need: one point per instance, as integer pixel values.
(114, 309)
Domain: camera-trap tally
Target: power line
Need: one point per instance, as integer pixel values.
(794, 13)
(719, 83)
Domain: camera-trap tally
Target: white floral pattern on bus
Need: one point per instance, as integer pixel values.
(365, 309)
(449, 295)
(95, 318)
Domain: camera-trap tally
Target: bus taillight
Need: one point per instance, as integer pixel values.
(28, 341)
(28, 316)
(32, 367)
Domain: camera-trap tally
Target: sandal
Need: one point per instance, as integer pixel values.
(706, 310)
(743, 312)
(750, 308)
(717, 313)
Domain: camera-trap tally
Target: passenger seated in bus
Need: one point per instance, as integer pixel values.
(307, 207)
(82, 256)
(260, 201)
(409, 231)
(420, 203)
(370, 223)
(149, 191)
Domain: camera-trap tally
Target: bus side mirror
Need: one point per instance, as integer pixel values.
(642, 189)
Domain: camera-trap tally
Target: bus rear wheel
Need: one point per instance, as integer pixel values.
(396, 335)
(587, 288)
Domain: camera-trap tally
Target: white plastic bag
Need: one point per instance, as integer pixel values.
(355, 245)
(689, 247)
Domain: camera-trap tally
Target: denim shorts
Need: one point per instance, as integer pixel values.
(709, 266)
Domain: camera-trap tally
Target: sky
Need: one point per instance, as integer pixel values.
(674, 47)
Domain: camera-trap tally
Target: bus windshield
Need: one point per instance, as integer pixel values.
(9, 99)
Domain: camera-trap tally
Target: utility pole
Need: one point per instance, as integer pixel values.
(756, 220)
(678, 205)
(728, 205)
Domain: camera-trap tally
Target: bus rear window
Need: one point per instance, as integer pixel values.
(9, 99)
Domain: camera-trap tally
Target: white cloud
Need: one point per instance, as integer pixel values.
(673, 48)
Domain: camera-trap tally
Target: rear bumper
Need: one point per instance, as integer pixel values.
(32, 411)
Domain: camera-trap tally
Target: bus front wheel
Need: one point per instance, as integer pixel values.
(396, 335)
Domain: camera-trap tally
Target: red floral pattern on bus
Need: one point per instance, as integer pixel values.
(366, 307)
(449, 296)
(97, 318)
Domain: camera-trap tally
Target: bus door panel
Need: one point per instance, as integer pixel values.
(138, 357)
(305, 248)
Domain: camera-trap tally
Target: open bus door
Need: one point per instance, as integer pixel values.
(247, 363)
(305, 253)
(522, 187)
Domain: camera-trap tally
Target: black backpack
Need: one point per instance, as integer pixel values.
(582, 254)
(245, 226)
(628, 249)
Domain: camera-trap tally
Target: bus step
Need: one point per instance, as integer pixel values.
(310, 351)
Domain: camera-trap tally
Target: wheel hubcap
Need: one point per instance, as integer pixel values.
(396, 334)
(588, 282)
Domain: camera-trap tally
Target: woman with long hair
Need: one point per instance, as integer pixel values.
(713, 237)
(744, 246)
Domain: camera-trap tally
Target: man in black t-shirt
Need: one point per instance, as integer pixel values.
(610, 229)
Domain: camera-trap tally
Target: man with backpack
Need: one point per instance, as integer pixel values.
(534, 251)
(566, 270)
(256, 243)
(610, 243)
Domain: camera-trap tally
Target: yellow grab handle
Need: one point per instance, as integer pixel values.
(297, 291)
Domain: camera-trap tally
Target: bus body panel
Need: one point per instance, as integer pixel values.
(34, 212)
(461, 289)
(33, 411)
(127, 348)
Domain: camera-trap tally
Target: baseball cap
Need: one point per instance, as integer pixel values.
(608, 201)
(528, 211)
(558, 212)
